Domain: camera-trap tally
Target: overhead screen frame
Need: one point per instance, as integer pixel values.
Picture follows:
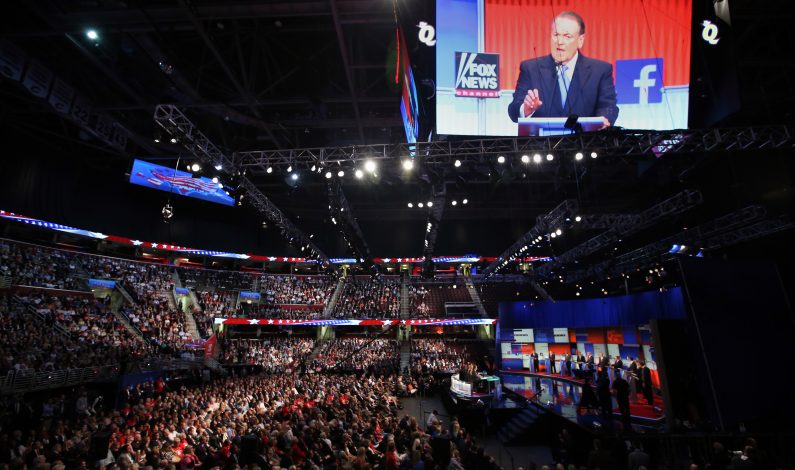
(466, 17)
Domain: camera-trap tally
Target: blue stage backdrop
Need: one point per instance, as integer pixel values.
(628, 310)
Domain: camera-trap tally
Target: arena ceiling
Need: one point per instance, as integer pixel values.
(299, 73)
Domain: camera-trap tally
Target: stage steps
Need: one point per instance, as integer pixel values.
(475, 296)
(519, 424)
(117, 298)
(190, 325)
(329, 310)
(405, 355)
(404, 297)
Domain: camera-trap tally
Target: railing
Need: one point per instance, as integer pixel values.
(27, 381)
(23, 381)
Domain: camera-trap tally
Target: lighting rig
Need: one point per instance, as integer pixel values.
(342, 217)
(176, 124)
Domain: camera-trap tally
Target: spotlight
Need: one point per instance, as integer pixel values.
(174, 140)
(195, 167)
(578, 156)
(290, 169)
(168, 212)
(552, 235)
(328, 175)
(215, 179)
(430, 204)
(537, 158)
(525, 158)
(577, 219)
(408, 165)
(593, 155)
(411, 205)
(294, 176)
(340, 173)
(313, 167)
(269, 170)
(550, 157)
(359, 174)
(92, 34)
(370, 166)
(500, 159)
(420, 205)
(455, 203)
(219, 167)
(558, 232)
(465, 201)
(457, 163)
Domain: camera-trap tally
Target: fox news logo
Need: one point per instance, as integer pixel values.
(477, 74)
(639, 81)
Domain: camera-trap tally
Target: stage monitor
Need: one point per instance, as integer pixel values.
(179, 182)
(631, 64)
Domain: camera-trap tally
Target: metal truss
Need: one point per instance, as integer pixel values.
(625, 226)
(342, 214)
(723, 231)
(435, 214)
(554, 218)
(175, 123)
(609, 143)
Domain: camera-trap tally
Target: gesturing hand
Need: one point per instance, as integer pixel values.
(531, 102)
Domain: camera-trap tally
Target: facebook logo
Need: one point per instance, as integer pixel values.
(639, 81)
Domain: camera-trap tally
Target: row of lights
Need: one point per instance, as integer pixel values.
(422, 205)
(554, 234)
(537, 158)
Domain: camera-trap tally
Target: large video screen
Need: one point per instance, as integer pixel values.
(179, 182)
(501, 61)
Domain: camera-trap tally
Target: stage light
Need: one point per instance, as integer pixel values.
(420, 205)
(408, 165)
(195, 167)
(167, 212)
(174, 140)
(593, 155)
(457, 163)
(92, 34)
(550, 157)
(552, 235)
(219, 167)
(525, 158)
(465, 201)
(269, 170)
(430, 204)
(537, 158)
(455, 203)
(578, 156)
(411, 205)
(558, 232)
(328, 175)
(340, 173)
(577, 219)
(577, 294)
(215, 179)
(359, 174)
(294, 176)
(370, 166)
(290, 169)
(500, 159)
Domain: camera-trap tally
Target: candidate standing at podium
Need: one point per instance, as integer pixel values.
(565, 82)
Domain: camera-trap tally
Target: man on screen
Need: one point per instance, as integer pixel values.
(565, 82)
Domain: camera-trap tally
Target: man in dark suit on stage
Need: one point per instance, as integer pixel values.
(553, 368)
(565, 82)
(568, 363)
(535, 362)
(648, 391)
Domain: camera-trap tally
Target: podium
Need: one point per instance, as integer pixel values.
(545, 126)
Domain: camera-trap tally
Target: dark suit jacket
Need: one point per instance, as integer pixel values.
(591, 92)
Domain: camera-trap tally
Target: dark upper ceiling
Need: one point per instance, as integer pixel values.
(298, 73)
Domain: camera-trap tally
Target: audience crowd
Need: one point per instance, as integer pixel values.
(31, 265)
(367, 297)
(283, 289)
(275, 355)
(203, 279)
(380, 356)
